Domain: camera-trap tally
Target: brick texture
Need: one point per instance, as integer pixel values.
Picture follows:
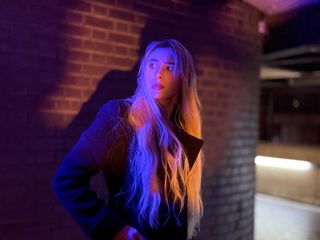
(61, 60)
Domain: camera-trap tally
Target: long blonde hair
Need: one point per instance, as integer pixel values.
(180, 183)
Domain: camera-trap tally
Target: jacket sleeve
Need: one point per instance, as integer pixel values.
(71, 182)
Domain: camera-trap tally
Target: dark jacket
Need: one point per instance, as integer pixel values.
(102, 148)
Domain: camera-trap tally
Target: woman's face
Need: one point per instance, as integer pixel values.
(160, 81)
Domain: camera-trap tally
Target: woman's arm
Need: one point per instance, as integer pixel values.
(128, 233)
(71, 182)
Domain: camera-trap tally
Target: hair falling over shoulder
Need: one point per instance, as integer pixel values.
(154, 144)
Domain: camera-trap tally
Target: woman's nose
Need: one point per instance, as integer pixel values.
(160, 72)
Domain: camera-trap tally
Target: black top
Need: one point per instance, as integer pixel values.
(101, 148)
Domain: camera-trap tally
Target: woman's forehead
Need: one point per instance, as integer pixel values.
(162, 54)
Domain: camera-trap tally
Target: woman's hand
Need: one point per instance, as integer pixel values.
(128, 233)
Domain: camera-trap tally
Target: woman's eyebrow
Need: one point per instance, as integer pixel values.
(153, 60)
(156, 60)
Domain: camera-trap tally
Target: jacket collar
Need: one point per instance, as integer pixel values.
(191, 144)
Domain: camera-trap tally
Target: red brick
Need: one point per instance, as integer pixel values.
(98, 46)
(101, 59)
(86, 93)
(76, 105)
(122, 27)
(95, 70)
(123, 15)
(67, 79)
(121, 50)
(99, 35)
(133, 52)
(61, 105)
(135, 29)
(72, 93)
(120, 61)
(122, 38)
(141, 19)
(74, 30)
(68, 117)
(99, 10)
(98, 22)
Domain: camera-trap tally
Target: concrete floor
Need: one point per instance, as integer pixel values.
(281, 219)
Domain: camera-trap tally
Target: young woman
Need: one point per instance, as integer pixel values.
(149, 149)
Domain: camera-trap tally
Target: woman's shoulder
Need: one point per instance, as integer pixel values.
(114, 115)
(115, 108)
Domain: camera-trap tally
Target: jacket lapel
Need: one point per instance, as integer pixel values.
(191, 144)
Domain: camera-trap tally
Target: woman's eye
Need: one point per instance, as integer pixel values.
(152, 65)
(170, 68)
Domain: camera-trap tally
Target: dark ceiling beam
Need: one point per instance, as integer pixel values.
(295, 61)
(292, 52)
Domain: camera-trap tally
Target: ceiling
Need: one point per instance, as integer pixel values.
(292, 41)
(272, 7)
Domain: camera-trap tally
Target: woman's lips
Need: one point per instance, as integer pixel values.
(157, 86)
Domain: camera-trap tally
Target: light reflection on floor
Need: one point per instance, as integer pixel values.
(280, 219)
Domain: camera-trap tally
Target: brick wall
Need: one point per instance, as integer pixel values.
(61, 60)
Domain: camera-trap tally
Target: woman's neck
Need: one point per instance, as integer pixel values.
(167, 106)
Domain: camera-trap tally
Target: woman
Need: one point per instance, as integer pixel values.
(149, 149)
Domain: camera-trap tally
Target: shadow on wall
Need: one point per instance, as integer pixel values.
(121, 84)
